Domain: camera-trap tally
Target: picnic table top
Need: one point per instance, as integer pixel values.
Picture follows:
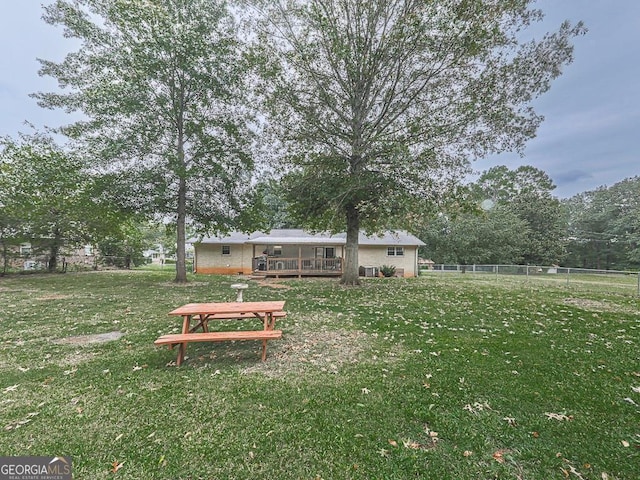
(229, 307)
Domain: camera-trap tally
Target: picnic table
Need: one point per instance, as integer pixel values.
(202, 313)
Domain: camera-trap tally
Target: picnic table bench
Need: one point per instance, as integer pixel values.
(267, 312)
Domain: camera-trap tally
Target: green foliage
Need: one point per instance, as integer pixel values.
(604, 226)
(497, 236)
(124, 248)
(380, 106)
(161, 86)
(50, 198)
(273, 205)
(388, 270)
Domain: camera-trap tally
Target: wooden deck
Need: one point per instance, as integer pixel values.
(299, 267)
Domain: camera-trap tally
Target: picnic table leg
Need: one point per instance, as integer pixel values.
(264, 350)
(186, 321)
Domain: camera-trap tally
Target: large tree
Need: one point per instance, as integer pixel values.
(382, 104)
(527, 192)
(604, 225)
(160, 87)
(52, 197)
(495, 236)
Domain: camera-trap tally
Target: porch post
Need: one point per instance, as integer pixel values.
(299, 261)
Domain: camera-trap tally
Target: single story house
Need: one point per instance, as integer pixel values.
(285, 252)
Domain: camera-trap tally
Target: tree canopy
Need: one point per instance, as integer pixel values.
(381, 105)
(161, 87)
(49, 198)
(604, 226)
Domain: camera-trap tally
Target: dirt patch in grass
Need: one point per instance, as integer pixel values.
(88, 339)
(596, 305)
(314, 345)
(184, 285)
(273, 284)
(55, 296)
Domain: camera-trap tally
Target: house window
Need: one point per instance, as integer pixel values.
(329, 252)
(25, 249)
(395, 251)
(277, 250)
(226, 249)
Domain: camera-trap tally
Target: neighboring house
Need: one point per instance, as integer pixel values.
(156, 256)
(159, 256)
(297, 252)
(24, 257)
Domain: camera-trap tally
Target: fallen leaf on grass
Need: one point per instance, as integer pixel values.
(477, 407)
(115, 466)
(575, 472)
(498, 455)
(625, 443)
(559, 416)
(467, 453)
(393, 443)
(12, 388)
(511, 421)
(636, 389)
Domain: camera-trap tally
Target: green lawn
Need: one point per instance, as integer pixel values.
(441, 377)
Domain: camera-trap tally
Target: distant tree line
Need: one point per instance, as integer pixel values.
(604, 227)
(511, 217)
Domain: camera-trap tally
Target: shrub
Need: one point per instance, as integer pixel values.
(388, 270)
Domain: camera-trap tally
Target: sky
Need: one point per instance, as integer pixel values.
(590, 136)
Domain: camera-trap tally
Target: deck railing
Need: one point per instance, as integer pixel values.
(298, 266)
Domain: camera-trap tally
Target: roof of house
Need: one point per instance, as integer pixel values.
(302, 237)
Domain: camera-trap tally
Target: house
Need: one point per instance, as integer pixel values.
(285, 252)
(32, 256)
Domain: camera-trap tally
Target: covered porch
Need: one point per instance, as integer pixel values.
(284, 259)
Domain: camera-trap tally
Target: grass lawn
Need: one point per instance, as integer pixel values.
(442, 377)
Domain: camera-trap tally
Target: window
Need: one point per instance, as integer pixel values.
(226, 249)
(330, 252)
(25, 249)
(277, 250)
(395, 251)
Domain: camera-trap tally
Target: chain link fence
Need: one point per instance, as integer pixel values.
(619, 280)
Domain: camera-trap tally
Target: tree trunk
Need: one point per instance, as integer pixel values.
(54, 249)
(5, 258)
(53, 258)
(181, 266)
(350, 274)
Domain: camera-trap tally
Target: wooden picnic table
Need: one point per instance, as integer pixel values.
(202, 313)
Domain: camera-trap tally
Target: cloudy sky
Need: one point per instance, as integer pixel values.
(591, 132)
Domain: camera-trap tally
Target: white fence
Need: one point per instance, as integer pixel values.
(607, 279)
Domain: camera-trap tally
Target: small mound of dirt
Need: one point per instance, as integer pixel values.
(586, 303)
(88, 339)
(188, 284)
(273, 284)
(54, 296)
